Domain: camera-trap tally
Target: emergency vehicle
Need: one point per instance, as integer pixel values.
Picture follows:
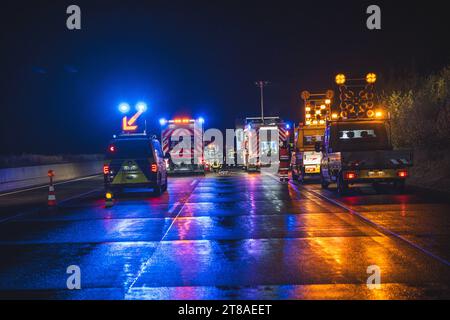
(305, 161)
(182, 144)
(262, 138)
(134, 160)
(212, 156)
(357, 148)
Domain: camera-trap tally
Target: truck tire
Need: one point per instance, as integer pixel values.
(294, 176)
(164, 187)
(323, 183)
(342, 185)
(301, 176)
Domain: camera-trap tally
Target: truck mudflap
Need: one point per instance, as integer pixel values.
(373, 160)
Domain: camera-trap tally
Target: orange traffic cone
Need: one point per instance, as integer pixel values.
(51, 201)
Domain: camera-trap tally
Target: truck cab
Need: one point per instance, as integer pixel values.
(356, 151)
(305, 161)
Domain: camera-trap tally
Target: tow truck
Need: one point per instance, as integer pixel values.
(305, 161)
(357, 146)
(182, 144)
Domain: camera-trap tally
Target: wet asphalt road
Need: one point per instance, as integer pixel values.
(239, 236)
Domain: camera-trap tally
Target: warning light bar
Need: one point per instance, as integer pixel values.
(163, 121)
(183, 120)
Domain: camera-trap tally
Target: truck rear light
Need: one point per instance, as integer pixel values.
(154, 167)
(350, 175)
(105, 169)
(402, 173)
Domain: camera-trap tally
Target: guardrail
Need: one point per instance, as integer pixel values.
(25, 177)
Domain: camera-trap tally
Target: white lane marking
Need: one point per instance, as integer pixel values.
(368, 221)
(46, 186)
(373, 224)
(80, 195)
(193, 182)
(40, 209)
(150, 260)
(174, 206)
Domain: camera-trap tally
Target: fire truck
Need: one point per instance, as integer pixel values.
(305, 161)
(262, 138)
(182, 144)
(357, 147)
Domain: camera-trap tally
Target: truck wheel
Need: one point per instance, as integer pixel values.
(294, 176)
(164, 187)
(342, 185)
(301, 176)
(323, 183)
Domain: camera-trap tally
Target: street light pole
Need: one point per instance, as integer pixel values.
(261, 85)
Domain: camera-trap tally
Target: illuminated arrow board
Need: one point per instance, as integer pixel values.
(129, 125)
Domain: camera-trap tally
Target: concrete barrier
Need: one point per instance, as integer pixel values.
(24, 177)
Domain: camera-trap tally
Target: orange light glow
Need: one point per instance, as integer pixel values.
(154, 167)
(402, 173)
(350, 175)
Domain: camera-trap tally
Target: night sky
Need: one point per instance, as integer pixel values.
(60, 88)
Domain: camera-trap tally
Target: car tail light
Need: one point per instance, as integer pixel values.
(112, 148)
(154, 167)
(105, 169)
(402, 173)
(350, 175)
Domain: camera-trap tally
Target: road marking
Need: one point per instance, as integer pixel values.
(81, 195)
(174, 206)
(43, 208)
(373, 224)
(368, 221)
(46, 186)
(193, 182)
(150, 260)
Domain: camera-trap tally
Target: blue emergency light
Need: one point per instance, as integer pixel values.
(124, 107)
(141, 106)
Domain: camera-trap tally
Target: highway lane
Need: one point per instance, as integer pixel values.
(238, 236)
(19, 202)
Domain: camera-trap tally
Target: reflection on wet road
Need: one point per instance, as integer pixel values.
(239, 236)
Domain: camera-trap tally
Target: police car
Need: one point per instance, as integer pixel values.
(134, 161)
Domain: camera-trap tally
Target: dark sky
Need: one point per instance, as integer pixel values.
(60, 89)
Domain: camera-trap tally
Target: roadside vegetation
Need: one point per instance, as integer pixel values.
(420, 119)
